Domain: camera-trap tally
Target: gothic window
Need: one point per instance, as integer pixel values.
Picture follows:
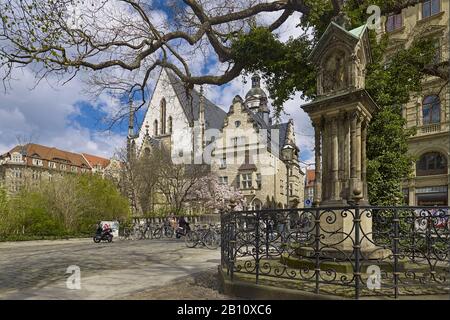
(170, 124)
(431, 110)
(430, 8)
(163, 116)
(431, 163)
(155, 128)
(394, 22)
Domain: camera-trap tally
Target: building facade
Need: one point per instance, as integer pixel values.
(428, 111)
(310, 180)
(31, 164)
(242, 146)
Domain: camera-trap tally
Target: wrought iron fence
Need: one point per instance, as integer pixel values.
(352, 251)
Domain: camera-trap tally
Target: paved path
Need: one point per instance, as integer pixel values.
(122, 269)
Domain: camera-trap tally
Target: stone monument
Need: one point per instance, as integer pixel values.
(340, 115)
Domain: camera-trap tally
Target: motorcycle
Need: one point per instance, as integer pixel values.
(182, 231)
(103, 236)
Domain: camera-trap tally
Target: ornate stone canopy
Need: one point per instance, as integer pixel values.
(341, 58)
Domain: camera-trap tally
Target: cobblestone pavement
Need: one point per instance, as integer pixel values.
(146, 269)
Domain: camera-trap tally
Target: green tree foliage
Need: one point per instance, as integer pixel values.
(69, 206)
(286, 70)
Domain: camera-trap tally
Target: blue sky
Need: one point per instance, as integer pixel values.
(65, 117)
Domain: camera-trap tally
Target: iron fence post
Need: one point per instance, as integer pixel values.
(395, 240)
(232, 244)
(257, 246)
(413, 231)
(317, 248)
(267, 236)
(357, 246)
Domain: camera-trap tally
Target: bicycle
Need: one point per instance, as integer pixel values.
(207, 236)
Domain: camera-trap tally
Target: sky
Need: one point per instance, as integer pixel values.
(66, 117)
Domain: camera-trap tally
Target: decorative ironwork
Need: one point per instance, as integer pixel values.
(352, 251)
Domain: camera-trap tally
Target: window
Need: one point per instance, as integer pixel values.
(394, 22)
(290, 189)
(281, 186)
(430, 8)
(237, 124)
(170, 124)
(17, 173)
(223, 180)
(16, 157)
(37, 162)
(52, 165)
(163, 115)
(431, 110)
(63, 167)
(155, 128)
(247, 156)
(36, 175)
(223, 162)
(246, 180)
(258, 180)
(73, 169)
(431, 163)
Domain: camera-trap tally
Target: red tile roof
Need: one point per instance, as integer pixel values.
(96, 160)
(32, 150)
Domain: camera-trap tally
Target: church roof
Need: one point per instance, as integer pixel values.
(214, 116)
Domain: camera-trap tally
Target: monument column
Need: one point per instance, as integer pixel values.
(317, 151)
(358, 149)
(364, 161)
(353, 160)
(334, 160)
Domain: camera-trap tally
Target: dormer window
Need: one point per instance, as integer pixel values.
(52, 165)
(16, 157)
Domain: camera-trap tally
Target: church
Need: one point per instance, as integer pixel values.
(244, 147)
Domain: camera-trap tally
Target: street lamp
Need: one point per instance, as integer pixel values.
(287, 154)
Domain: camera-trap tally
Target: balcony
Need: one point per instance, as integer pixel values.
(433, 128)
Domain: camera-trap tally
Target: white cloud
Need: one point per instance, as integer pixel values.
(43, 115)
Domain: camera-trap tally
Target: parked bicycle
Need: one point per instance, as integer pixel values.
(208, 236)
